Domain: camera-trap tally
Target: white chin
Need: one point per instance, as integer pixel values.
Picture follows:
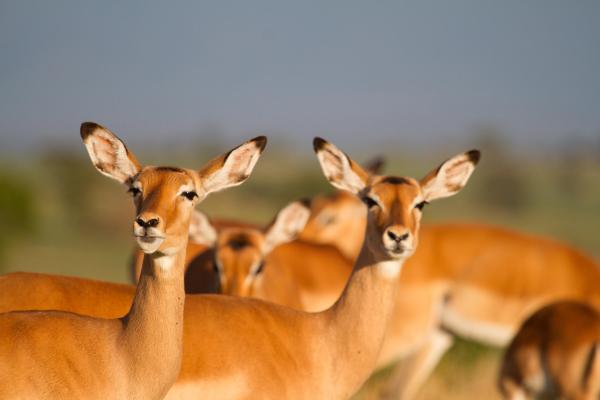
(149, 245)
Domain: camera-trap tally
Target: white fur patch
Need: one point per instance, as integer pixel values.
(109, 155)
(228, 387)
(288, 223)
(337, 169)
(489, 333)
(390, 269)
(201, 230)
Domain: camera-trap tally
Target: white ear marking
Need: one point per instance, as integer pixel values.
(450, 177)
(108, 153)
(201, 230)
(287, 225)
(232, 168)
(338, 168)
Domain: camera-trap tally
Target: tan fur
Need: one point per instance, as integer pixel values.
(555, 353)
(57, 354)
(477, 280)
(244, 348)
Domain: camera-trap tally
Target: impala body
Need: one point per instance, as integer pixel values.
(554, 354)
(244, 348)
(473, 280)
(57, 355)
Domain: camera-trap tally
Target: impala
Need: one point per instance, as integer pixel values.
(554, 354)
(263, 263)
(244, 348)
(52, 354)
(473, 280)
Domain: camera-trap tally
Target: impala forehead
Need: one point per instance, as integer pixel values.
(391, 189)
(239, 239)
(170, 178)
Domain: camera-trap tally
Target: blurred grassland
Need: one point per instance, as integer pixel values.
(59, 215)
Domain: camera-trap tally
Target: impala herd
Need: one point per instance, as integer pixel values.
(307, 306)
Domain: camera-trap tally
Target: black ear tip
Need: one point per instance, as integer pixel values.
(319, 143)
(87, 128)
(474, 156)
(375, 165)
(260, 141)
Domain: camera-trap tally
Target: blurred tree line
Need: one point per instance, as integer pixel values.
(17, 210)
(57, 200)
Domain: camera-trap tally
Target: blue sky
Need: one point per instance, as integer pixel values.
(372, 70)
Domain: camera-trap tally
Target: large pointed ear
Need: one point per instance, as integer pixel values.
(108, 153)
(233, 167)
(450, 177)
(287, 224)
(374, 166)
(341, 171)
(201, 230)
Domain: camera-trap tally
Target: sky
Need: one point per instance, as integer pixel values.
(362, 71)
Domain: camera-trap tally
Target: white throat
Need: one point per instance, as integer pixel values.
(390, 269)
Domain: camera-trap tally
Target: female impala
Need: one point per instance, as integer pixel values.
(554, 354)
(244, 348)
(62, 355)
(200, 268)
(472, 280)
(269, 264)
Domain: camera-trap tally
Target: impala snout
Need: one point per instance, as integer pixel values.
(398, 240)
(148, 231)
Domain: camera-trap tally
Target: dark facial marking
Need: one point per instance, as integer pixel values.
(238, 242)
(396, 180)
(169, 169)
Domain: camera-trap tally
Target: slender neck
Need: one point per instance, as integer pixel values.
(153, 328)
(358, 321)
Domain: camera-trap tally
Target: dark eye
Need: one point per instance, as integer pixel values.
(369, 202)
(190, 195)
(215, 265)
(421, 205)
(260, 268)
(134, 191)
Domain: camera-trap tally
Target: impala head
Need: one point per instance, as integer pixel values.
(239, 253)
(334, 217)
(395, 204)
(165, 197)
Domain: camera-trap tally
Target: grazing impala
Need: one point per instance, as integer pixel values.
(51, 354)
(244, 348)
(554, 354)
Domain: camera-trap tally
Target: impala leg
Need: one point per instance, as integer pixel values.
(408, 376)
(509, 388)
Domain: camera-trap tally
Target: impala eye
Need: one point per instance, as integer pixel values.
(420, 205)
(134, 191)
(189, 195)
(260, 268)
(369, 202)
(215, 265)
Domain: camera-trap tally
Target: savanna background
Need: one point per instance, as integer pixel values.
(182, 82)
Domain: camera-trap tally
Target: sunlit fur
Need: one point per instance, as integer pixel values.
(394, 213)
(555, 354)
(161, 197)
(54, 354)
(283, 351)
(238, 255)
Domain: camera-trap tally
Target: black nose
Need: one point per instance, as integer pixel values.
(397, 238)
(151, 223)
